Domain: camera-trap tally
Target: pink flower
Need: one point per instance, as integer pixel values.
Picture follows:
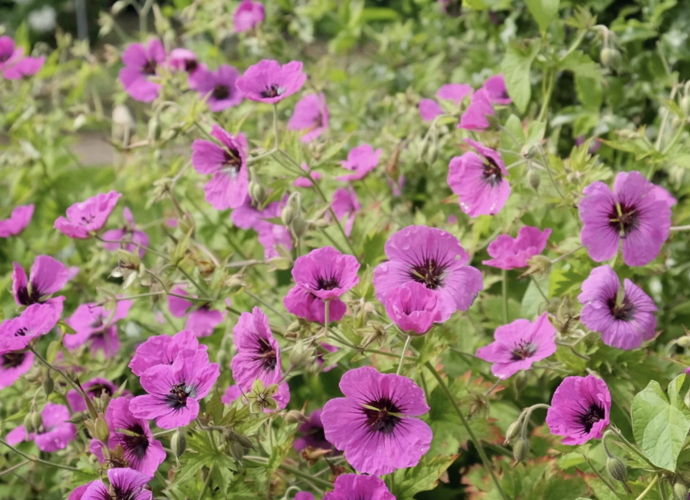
(128, 235)
(219, 87)
(304, 495)
(429, 109)
(412, 306)
(163, 350)
(9, 53)
(269, 82)
(496, 90)
(20, 218)
(229, 185)
(202, 320)
(248, 15)
(35, 321)
(174, 391)
(518, 345)
(306, 305)
(54, 434)
(13, 365)
(312, 434)
(455, 92)
(433, 258)
(140, 64)
(183, 60)
(512, 253)
(361, 160)
(87, 216)
(636, 212)
(479, 181)
(247, 216)
(351, 486)
(24, 68)
(48, 276)
(97, 327)
(126, 484)
(346, 205)
(94, 388)
(271, 236)
(474, 118)
(326, 273)
(304, 182)
(310, 116)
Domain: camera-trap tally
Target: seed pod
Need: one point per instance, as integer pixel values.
(100, 429)
(48, 384)
(288, 214)
(29, 423)
(513, 431)
(299, 226)
(300, 355)
(520, 381)
(294, 416)
(178, 443)
(610, 57)
(295, 201)
(534, 178)
(521, 449)
(616, 468)
(680, 491)
(257, 192)
(36, 420)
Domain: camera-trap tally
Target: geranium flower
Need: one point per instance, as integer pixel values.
(271, 236)
(433, 258)
(361, 160)
(304, 495)
(429, 109)
(512, 253)
(456, 92)
(128, 235)
(248, 15)
(13, 365)
(220, 87)
(350, 486)
(269, 82)
(518, 345)
(479, 181)
(201, 320)
(304, 181)
(35, 321)
(636, 212)
(24, 68)
(163, 350)
(326, 273)
(248, 216)
(474, 118)
(625, 320)
(579, 409)
(54, 434)
(125, 484)
(140, 65)
(78, 492)
(496, 90)
(310, 116)
(9, 53)
(374, 425)
(94, 388)
(346, 205)
(228, 163)
(183, 60)
(19, 219)
(96, 326)
(312, 433)
(321, 351)
(48, 276)
(304, 304)
(87, 216)
(413, 307)
(174, 390)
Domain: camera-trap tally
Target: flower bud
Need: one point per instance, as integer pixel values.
(287, 215)
(100, 429)
(610, 57)
(79, 417)
(616, 468)
(178, 443)
(300, 354)
(29, 423)
(237, 451)
(294, 416)
(685, 106)
(295, 201)
(258, 192)
(48, 384)
(154, 131)
(680, 491)
(684, 341)
(521, 449)
(528, 151)
(299, 226)
(534, 178)
(513, 431)
(520, 381)
(34, 375)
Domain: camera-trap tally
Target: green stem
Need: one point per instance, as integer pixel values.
(275, 124)
(15, 467)
(602, 478)
(470, 432)
(633, 448)
(649, 488)
(309, 477)
(267, 305)
(402, 354)
(36, 459)
(547, 97)
(679, 228)
(206, 483)
(189, 277)
(505, 296)
(326, 311)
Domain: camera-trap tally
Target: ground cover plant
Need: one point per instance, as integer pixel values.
(347, 250)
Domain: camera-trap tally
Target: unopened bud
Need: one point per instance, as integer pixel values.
(29, 423)
(300, 354)
(680, 491)
(534, 178)
(34, 375)
(610, 57)
(48, 384)
(513, 431)
(299, 226)
(295, 201)
(154, 129)
(685, 106)
(294, 416)
(616, 468)
(521, 449)
(520, 381)
(178, 443)
(683, 341)
(237, 451)
(258, 192)
(287, 215)
(528, 151)
(37, 420)
(79, 417)
(100, 429)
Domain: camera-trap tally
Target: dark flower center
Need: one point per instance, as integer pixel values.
(327, 283)
(26, 298)
(592, 414)
(492, 172)
(266, 355)
(149, 68)
(624, 222)
(4, 57)
(87, 220)
(317, 434)
(123, 492)
(12, 359)
(96, 390)
(98, 322)
(625, 311)
(523, 350)
(429, 273)
(136, 445)
(177, 398)
(190, 65)
(221, 92)
(381, 415)
(273, 90)
(232, 161)
(21, 332)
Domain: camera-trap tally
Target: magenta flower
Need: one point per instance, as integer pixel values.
(636, 212)
(9, 53)
(163, 350)
(579, 409)
(142, 452)
(496, 90)
(94, 388)
(87, 216)
(248, 15)
(35, 321)
(13, 365)
(229, 185)
(304, 304)
(518, 345)
(55, 431)
(429, 109)
(20, 218)
(269, 82)
(126, 484)
(140, 65)
(24, 68)
(374, 425)
(48, 276)
(624, 320)
(219, 86)
(312, 433)
(304, 182)
(247, 216)
(512, 253)
(201, 320)
(310, 116)
(78, 492)
(350, 486)
(304, 495)
(271, 236)
(96, 326)
(346, 205)
(174, 390)
(183, 60)
(258, 352)
(326, 273)
(361, 160)
(475, 117)
(433, 258)
(479, 181)
(321, 351)
(455, 92)
(128, 235)
(413, 307)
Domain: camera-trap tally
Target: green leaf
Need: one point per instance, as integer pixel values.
(423, 477)
(660, 426)
(544, 12)
(52, 351)
(516, 67)
(589, 92)
(215, 408)
(582, 65)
